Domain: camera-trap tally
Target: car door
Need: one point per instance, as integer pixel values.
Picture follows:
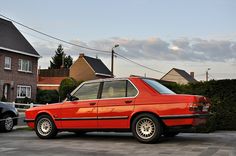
(81, 113)
(116, 104)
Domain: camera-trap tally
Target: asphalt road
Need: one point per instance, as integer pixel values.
(26, 143)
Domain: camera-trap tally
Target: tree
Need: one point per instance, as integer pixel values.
(57, 59)
(67, 86)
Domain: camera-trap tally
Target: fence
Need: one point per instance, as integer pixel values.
(21, 106)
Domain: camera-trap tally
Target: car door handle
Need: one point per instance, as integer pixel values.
(128, 101)
(92, 103)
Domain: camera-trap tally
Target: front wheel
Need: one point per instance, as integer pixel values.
(6, 123)
(146, 128)
(45, 127)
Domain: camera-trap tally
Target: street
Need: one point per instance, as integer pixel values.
(24, 142)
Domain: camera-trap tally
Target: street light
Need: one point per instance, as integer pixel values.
(112, 58)
(207, 74)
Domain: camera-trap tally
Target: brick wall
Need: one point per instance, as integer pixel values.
(15, 77)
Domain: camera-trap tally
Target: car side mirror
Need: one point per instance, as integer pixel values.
(71, 98)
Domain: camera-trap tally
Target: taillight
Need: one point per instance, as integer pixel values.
(199, 107)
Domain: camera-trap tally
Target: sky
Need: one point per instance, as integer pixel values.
(184, 34)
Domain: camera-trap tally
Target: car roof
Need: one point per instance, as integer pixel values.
(107, 79)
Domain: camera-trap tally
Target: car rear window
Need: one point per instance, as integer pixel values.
(158, 87)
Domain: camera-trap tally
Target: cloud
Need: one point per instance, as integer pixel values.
(154, 48)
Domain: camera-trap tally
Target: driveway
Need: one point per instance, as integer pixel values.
(26, 143)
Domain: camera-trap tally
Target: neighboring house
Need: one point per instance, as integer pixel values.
(83, 69)
(88, 68)
(18, 64)
(179, 76)
(50, 79)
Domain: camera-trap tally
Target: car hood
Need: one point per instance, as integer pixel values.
(48, 106)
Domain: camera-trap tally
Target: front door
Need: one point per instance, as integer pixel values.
(116, 104)
(81, 113)
(6, 91)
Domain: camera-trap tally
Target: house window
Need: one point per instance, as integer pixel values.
(25, 65)
(23, 91)
(7, 64)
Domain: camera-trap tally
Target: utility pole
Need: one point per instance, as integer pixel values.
(207, 74)
(63, 61)
(112, 58)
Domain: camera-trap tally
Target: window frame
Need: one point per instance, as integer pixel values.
(98, 92)
(101, 88)
(7, 68)
(23, 86)
(29, 66)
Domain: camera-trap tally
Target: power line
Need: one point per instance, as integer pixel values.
(139, 63)
(55, 38)
(80, 46)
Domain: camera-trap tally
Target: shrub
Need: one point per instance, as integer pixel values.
(67, 86)
(47, 96)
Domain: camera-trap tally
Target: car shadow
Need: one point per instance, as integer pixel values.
(128, 137)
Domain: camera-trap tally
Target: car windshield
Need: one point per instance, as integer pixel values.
(158, 87)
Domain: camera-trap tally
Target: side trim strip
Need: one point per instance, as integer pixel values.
(186, 116)
(93, 118)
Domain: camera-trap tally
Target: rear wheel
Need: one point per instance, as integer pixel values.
(146, 128)
(6, 123)
(45, 127)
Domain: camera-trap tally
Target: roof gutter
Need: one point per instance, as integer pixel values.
(107, 75)
(20, 52)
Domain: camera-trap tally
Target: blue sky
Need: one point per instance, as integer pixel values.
(192, 35)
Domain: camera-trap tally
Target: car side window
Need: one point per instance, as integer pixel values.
(114, 89)
(87, 91)
(117, 89)
(131, 90)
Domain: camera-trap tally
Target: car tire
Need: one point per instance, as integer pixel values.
(6, 123)
(146, 128)
(170, 134)
(45, 127)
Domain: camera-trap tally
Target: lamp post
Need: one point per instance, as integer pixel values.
(207, 74)
(112, 58)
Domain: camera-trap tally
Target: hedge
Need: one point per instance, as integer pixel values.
(223, 98)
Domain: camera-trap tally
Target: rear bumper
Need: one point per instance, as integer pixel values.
(185, 116)
(185, 119)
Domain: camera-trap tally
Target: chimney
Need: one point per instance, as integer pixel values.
(81, 55)
(192, 74)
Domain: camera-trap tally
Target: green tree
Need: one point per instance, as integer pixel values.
(67, 86)
(57, 59)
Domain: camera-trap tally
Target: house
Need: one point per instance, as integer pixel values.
(179, 76)
(50, 79)
(18, 64)
(88, 68)
(83, 69)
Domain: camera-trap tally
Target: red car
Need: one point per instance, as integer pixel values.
(140, 105)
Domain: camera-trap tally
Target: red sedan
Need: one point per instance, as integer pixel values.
(140, 105)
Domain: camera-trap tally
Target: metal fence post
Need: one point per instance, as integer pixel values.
(31, 105)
